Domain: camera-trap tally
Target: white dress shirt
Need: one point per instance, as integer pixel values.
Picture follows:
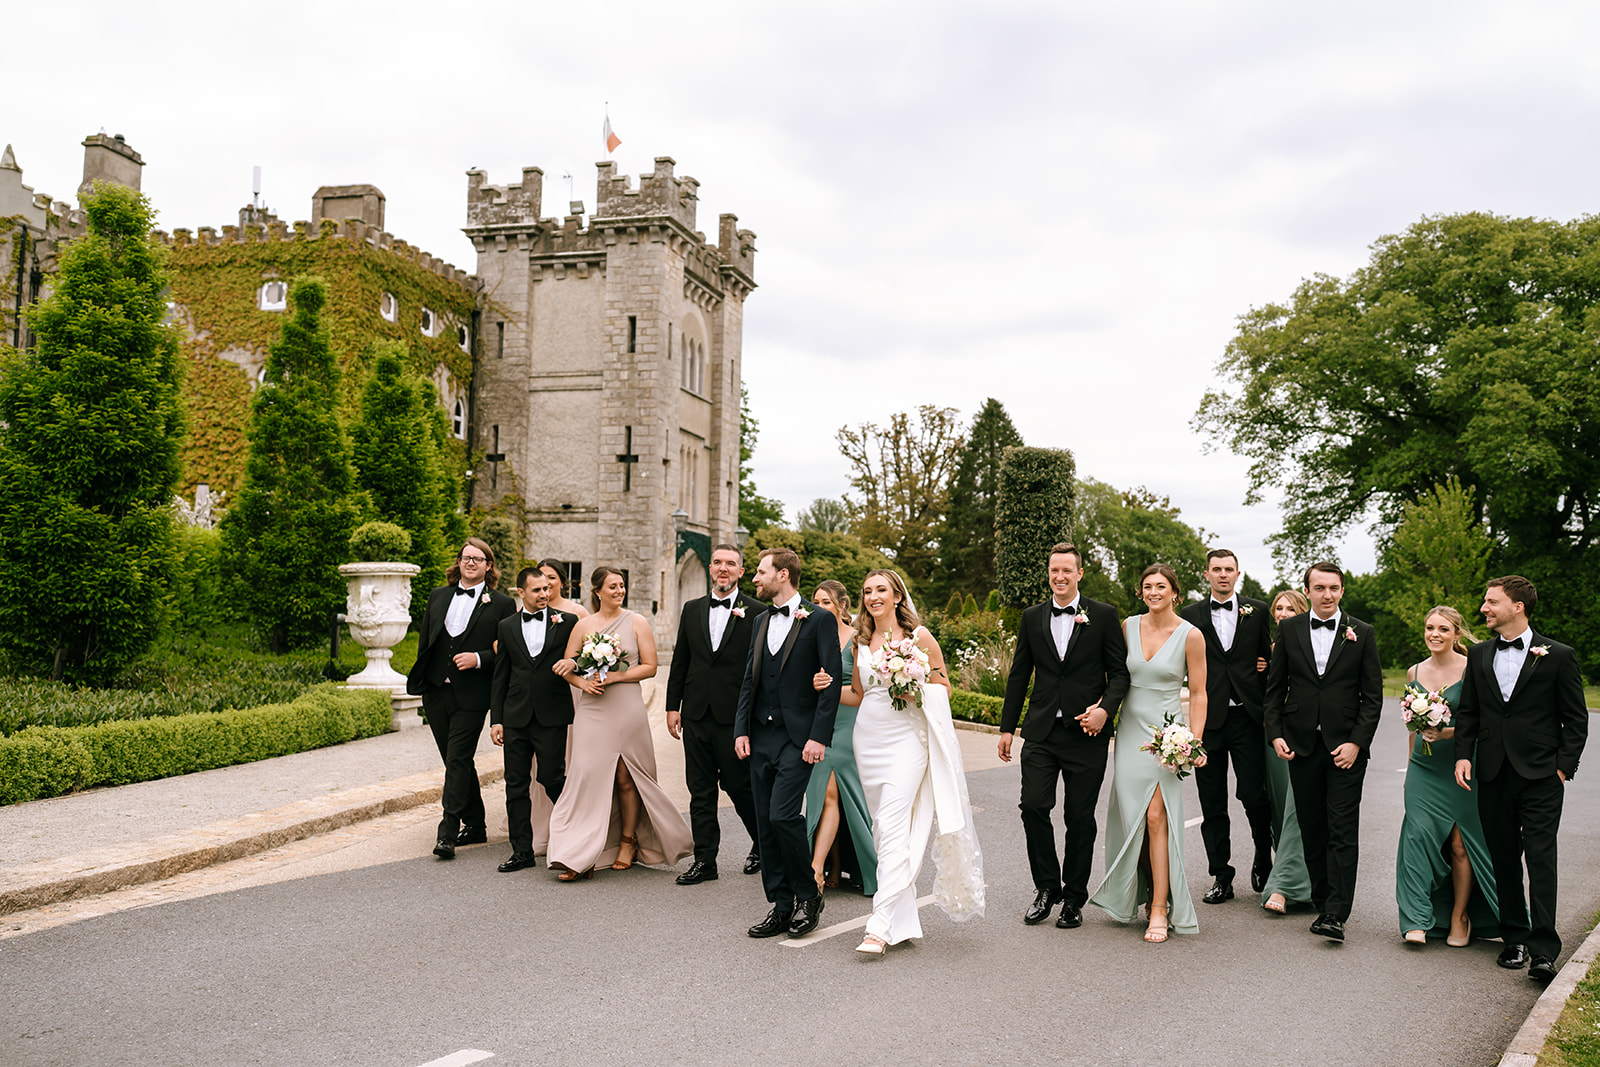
(1322, 641)
(1508, 662)
(533, 632)
(778, 625)
(1061, 625)
(1225, 621)
(460, 612)
(720, 617)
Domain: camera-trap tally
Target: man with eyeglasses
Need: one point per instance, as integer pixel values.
(453, 675)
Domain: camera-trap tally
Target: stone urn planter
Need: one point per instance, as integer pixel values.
(378, 612)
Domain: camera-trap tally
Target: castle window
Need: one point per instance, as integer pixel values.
(458, 420)
(499, 340)
(430, 323)
(463, 338)
(274, 296)
(389, 307)
(633, 333)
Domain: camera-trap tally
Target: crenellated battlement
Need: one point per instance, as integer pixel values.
(659, 193)
(504, 205)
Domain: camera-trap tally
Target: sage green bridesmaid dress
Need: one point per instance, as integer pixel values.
(1434, 804)
(855, 824)
(1289, 874)
(1154, 692)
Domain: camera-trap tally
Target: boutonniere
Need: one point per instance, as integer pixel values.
(485, 598)
(1246, 610)
(1081, 618)
(1350, 634)
(738, 611)
(802, 613)
(556, 619)
(1539, 650)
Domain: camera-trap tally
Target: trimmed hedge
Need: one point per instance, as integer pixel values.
(47, 761)
(1033, 512)
(976, 707)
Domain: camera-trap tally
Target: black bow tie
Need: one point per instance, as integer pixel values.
(1226, 605)
(715, 603)
(1501, 644)
(537, 616)
(460, 590)
(1054, 611)
(1324, 624)
(783, 610)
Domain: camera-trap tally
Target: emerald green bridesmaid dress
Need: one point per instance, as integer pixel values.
(855, 825)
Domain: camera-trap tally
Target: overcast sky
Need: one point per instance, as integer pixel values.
(1061, 205)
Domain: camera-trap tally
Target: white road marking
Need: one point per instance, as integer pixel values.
(461, 1059)
(1196, 821)
(825, 932)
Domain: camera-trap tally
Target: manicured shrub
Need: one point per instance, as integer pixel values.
(1034, 511)
(380, 542)
(976, 707)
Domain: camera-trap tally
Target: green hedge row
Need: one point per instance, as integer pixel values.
(976, 707)
(47, 761)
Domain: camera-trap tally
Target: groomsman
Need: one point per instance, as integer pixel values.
(1073, 650)
(702, 696)
(530, 707)
(1238, 645)
(1324, 693)
(453, 672)
(1522, 706)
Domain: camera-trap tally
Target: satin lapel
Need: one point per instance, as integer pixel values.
(1338, 641)
(1048, 637)
(707, 628)
(794, 635)
(1072, 638)
(1209, 628)
(761, 636)
(1305, 642)
(478, 605)
(1529, 662)
(436, 627)
(1489, 683)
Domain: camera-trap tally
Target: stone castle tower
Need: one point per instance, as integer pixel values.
(607, 388)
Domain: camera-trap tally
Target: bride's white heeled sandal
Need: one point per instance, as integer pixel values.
(873, 945)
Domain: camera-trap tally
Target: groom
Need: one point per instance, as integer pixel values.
(782, 727)
(1522, 706)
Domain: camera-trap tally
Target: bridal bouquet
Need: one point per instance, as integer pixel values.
(600, 655)
(1424, 709)
(902, 667)
(1174, 746)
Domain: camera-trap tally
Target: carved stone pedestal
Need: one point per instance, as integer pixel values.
(378, 612)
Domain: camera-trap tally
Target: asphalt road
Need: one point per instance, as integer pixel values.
(408, 962)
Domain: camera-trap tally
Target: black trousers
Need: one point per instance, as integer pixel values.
(527, 747)
(1239, 738)
(456, 731)
(709, 765)
(778, 778)
(1520, 818)
(1043, 762)
(1327, 801)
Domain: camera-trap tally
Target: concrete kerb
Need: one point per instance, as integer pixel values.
(1525, 1047)
(86, 874)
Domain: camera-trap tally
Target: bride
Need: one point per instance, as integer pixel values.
(911, 772)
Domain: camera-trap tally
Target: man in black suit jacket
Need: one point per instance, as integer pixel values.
(1522, 706)
(703, 684)
(1074, 651)
(1324, 693)
(783, 726)
(1238, 646)
(530, 707)
(453, 672)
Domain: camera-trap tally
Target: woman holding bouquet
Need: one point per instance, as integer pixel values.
(1444, 879)
(1290, 881)
(910, 766)
(611, 810)
(836, 809)
(1144, 828)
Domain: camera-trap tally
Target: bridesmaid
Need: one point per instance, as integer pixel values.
(1454, 897)
(555, 570)
(834, 791)
(612, 810)
(1289, 882)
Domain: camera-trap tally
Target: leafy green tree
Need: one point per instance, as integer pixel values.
(1252, 588)
(902, 472)
(755, 510)
(399, 452)
(90, 425)
(1033, 510)
(1122, 533)
(825, 515)
(289, 529)
(1439, 554)
(823, 555)
(967, 542)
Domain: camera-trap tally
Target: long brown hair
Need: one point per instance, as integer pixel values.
(597, 581)
(840, 595)
(491, 575)
(903, 615)
(1464, 637)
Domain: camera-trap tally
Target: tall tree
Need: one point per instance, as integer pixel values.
(289, 528)
(1439, 554)
(1122, 533)
(400, 460)
(1033, 511)
(967, 542)
(90, 425)
(825, 515)
(902, 472)
(755, 511)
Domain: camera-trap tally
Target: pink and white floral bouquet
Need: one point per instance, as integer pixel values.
(601, 654)
(902, 667)
(1174, 746)
(1424, 709)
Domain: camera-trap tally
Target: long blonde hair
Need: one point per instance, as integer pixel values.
(840, 595)
(1464, 636)
(1296, 597)
(903, 615)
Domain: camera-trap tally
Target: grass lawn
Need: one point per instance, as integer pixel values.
(1395, 680)
(1575, 1039)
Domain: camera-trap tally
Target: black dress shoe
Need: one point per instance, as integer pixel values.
(444, 849)
(1513, 957)
(699, 871)
(1039, 910)
(1218, 892)
(1542, 969)
(776, 922)
(1329, 927)
(1260, 871)
(806, 916)
(472, 835)
(1071, 917)
(518, 861)
(752, 863)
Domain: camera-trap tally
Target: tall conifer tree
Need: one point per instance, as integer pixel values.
(967, 544)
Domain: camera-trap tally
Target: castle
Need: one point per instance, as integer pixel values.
(590, 372)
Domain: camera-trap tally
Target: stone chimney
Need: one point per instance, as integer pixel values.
(109, 159)
(340, 202)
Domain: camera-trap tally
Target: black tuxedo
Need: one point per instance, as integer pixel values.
(1234, 690)
(1521, 744)
(1315, 714)
(455, 700)
(703, 684)
(533, 706)
(779, 711)
(1095, 668)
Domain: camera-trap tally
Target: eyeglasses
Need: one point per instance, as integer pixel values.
(472, 559)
